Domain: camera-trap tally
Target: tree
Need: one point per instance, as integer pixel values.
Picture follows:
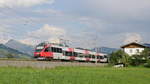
(136, 60)
(141, 58)
(146, 53)
(119, 57)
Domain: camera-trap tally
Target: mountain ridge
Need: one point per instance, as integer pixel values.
(20, 46)
(5, 51)
(106, 50)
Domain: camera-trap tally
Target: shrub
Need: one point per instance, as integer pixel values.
(147, 64)
(119, 57)
(137, 60)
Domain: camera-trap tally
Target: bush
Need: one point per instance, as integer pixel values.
(147, 64)
(119, 57)
(137, 60)
(134, 60)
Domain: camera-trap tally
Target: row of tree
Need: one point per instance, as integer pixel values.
(120, 57)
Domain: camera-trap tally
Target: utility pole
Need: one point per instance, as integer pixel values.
(96, 56)
(95, 44)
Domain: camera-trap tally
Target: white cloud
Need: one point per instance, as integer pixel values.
(92, 22)
(3, 30)
(46, 33)
(23, 3)
(132, 37)
(120, 9)
(120, 5)
(4, 34)
(48, 11)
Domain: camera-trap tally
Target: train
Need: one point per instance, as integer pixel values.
(52, 51)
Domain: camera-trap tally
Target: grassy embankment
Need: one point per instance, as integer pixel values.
(74, 75)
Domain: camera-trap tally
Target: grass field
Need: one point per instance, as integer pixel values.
(74, 75)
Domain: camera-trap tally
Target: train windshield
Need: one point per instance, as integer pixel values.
(39, 49)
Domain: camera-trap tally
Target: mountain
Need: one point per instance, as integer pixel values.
(104, 50)
(6, 51)
(147, 45)
(20, 46)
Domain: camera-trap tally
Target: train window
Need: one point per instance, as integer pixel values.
(81, 56)
(90, 56)
(105, 56)
(75, 54)
(87, 56)
(57, 50)
(101, 57)
(47, 50)
(39, 47)
(53, 49)
(71, 54)
(68, 54)
(38, 50)
(93, 56)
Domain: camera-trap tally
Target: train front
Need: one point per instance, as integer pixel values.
(38, 50)
(43, 51)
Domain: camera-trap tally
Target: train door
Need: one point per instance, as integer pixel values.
(47, 53)
(57, 52)
(68, 55)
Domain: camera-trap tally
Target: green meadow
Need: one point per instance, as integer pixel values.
(74, 75)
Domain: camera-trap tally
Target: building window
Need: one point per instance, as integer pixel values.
(131, 50)
(137, 50)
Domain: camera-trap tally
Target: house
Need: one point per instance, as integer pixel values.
(134, 48)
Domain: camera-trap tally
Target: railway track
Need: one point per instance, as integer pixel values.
(44, 64)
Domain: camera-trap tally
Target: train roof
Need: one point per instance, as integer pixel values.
(83, 49)
(66, 48)
(48, 43)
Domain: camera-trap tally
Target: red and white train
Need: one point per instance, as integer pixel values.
(49, 51)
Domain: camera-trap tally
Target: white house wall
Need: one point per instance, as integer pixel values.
(133, 51)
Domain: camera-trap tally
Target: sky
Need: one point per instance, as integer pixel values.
(83, 23)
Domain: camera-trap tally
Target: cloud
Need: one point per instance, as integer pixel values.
(4, 34)
(48, 11)
(3, 29)
(117, 11)
(132, 37)
(46, 33)
(112, 20)
(119, 6)
(23, 3)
